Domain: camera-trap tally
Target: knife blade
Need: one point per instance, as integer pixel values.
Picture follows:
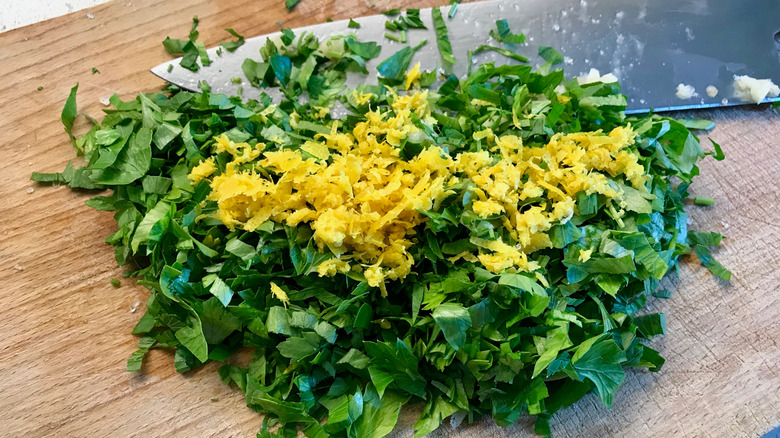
(650, 46)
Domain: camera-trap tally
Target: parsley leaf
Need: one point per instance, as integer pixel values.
(69, 112)
(453, 320)
(505, 52)
(598, 360)
(231, 46)
(442, 38)
(550, 55)
(395, 66)
(504, 35)
(706, 259)
(191, 49)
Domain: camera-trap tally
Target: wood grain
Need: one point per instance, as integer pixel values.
(65, 332)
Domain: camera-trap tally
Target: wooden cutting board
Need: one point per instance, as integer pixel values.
(65, 331)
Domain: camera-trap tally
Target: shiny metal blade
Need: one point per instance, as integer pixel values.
(650, 45)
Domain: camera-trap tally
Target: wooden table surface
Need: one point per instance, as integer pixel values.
(65, 331)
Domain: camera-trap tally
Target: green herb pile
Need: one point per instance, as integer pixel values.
(339, 359)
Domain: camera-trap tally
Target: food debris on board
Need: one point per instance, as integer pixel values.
(750, 89)
(685, 92)
(483, 246)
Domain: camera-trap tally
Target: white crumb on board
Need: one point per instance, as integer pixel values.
(748, 89)
(711, 91)
(685, 92)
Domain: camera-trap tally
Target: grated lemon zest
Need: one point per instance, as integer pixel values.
(362, 200)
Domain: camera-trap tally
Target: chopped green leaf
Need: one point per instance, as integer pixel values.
(706, 239)
(368, 50)
(505, 52)
(718, 153)
(550, 55)
(598, 360)
(297, 349)
(702, 124)
(651, 325)
(706, 259)
(69, 112)
(504, 35)
(453, 320)
(396, 65)
(231, 46)
(442, 37)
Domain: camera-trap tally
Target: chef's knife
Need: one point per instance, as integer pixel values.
(652, 46)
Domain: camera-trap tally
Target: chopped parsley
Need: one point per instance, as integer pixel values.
(442, 38)
(395, 67)
(231, 46)
(403, 23)
(487, 246)
(504, 35)
(550, 55)
(192, 49)
(453, 8)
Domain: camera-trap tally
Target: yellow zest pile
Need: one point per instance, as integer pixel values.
(361, 199)
(556, 172)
